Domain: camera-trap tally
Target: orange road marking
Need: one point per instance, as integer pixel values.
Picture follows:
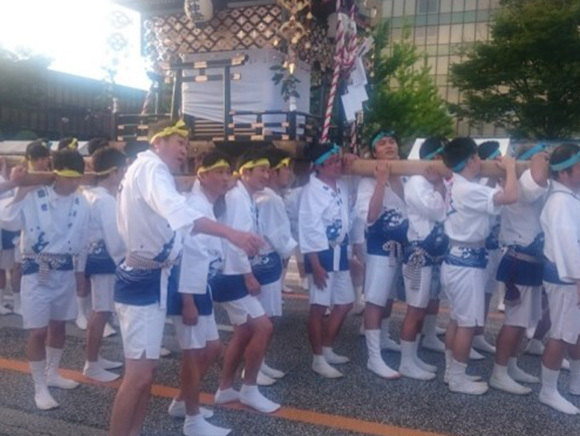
(306, 416)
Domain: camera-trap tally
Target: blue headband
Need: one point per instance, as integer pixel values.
(533, 151)
(322, 158)
(460, 166)
(568, 163)
(492, 156)
(381, 135)
(433, 154)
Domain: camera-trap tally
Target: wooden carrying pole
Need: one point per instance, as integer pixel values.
(360, 167)
(366, 167)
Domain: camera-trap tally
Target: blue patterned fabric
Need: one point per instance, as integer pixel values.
(432, 248)
(30, 266)
(519, 272)
(8, 238)
(98, 260)
(535, 249)
(492, 240)
(137, 287)
(551, 274)
(390, 226)
(326, 259)
(228, 288)
(469, 257)
(267, 268)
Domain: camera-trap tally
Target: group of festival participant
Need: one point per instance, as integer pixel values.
(147, 251)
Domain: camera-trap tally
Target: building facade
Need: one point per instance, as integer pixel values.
(442, 29)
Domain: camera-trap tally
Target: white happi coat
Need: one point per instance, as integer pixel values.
(273, 223)
(103, 231)
(50, 223)
(561, 226)
(323, 220)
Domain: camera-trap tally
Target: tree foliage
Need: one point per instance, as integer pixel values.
(527, 78)
(403, 95)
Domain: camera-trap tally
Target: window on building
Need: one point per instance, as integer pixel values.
(427, 6)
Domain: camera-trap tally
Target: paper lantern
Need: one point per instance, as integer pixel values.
(199, 11)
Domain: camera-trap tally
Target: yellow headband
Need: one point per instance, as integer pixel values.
(219, 164)
(71, 174)
(73, 144)
(283, 163)
(178, 129)
(106, 172)
(250, 165)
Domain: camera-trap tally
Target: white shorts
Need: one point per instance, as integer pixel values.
(493, 260)
(17, 253)
(196, 337)
(53, 300)
(420, 295)
(141, 330)
(464, 287)
(380, 279)
(240, 310)
(102, 292)
(564, 312)
(270, 297)
(528, 312)
(339, 289)
(7, 259)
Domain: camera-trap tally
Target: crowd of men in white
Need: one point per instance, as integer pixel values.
(147, 251)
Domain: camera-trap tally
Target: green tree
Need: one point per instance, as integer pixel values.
(403, 96)
(527, 78)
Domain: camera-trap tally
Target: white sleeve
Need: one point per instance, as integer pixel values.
(81, 261)
(12, 216)
(238, 216)
(529, 189)
(107, 210)
(366, 188)
(424, 199)
(194, 266)
(565, 244)
(480, 199)
(161, 195)
(275, 225)
(311, 228)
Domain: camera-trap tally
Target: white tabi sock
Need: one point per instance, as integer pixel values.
(323, 368)
(501, 380)
(479, 343)
(429, 326)
(53, 378)
(82, 320)
(423, 365)
(459, 381)
(448, 357)
(17, 304)
(196, 425)
(251, 397)
(386, 342)
(226, 396)
(535, 347)
(177, 410)
(271, 372)
(375, 362)
(574, 388)
(333, 358)
(518, 374)
(409, 367)
(550, 396)
(95, 371)
(3, 309)
(42, 397)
